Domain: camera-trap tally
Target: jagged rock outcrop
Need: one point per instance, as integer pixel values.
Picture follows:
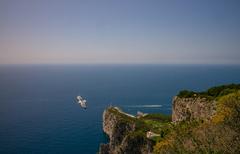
(192, 108)
(123, 135)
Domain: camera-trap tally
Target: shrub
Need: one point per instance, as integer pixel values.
(158, 117)
(211, 93)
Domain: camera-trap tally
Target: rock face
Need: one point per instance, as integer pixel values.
(192, 108)
(121, 131)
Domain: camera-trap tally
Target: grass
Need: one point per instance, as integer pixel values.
(157, 117)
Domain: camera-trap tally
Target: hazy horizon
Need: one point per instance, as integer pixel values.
(119, 32)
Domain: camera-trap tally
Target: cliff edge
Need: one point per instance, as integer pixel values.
(124, 135)
(201, 122)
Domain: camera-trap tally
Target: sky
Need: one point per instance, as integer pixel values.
(119, 31)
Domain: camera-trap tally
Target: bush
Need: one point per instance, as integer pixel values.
(186, 94)
(211, 93)
(158, 117)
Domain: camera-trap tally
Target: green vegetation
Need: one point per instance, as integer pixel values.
(219, 135)
(157, 117)
(158, 123)
(212, 93)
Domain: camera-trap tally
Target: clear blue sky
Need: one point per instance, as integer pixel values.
(119, 31)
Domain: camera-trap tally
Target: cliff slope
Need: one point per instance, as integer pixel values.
(219, 134)
(125, 134)
(202, 122)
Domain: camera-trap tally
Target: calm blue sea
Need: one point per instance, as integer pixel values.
(38, 112)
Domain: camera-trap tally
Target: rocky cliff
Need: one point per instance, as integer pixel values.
(123, 134)
(202, 122)
(192, 108)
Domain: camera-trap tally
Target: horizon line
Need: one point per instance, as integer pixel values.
(24, 64)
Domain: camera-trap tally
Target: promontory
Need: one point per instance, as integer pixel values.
(201, 122)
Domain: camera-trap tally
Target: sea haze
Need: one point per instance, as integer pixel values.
(38, 112)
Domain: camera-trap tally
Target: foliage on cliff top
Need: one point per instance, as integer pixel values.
(219, 135)
(123, 118)
(120, 115)
(158, 123)
(211, 93)
(157, 117)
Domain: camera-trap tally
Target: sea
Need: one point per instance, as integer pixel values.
(39, 113)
